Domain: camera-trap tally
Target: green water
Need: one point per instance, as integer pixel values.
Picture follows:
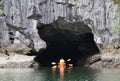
(69, 74)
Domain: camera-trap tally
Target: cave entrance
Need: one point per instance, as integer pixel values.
(66, 40)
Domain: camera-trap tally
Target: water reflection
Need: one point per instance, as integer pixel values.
(55, 74)
(20, 75)
(54, 71)
(61, 73)
(61, 70)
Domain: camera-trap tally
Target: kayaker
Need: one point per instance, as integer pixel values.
(61, 63)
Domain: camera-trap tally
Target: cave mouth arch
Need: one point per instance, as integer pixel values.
(66, 40)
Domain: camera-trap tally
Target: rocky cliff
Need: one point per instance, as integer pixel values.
(21, 18)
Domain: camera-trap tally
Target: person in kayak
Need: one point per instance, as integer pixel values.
(61, 63)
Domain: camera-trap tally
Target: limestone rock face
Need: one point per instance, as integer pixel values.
(21, 29)
(18, 48)
(17, 61)
(107, 61)
(99, 15)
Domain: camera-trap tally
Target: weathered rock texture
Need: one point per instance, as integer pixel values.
(99, 15)
(106, 61)
(16, 61)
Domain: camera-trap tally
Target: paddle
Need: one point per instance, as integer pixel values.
(55, 64)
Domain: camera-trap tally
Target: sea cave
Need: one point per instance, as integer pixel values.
(65, 40)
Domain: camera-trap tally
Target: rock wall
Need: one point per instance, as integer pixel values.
(17, 61)
(99, 15)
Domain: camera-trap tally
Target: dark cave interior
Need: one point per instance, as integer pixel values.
(65, 44)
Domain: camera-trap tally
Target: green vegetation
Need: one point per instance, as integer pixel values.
(76, 2)
(1, 12)
(117, 1)
(116, 28)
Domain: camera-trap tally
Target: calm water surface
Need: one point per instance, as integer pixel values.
(69, 74)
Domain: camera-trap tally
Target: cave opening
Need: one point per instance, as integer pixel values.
(65, 40)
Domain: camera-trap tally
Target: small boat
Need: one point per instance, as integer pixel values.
(61, 64)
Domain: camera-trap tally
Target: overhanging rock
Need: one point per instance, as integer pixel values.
(66, 40)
